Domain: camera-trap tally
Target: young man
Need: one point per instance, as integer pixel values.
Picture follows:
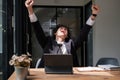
(61, 39)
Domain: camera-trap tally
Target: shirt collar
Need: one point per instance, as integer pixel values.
(59, 42)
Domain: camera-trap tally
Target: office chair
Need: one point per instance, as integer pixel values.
(38, 63)
(108, 61)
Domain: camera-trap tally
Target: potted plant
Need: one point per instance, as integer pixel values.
(23, 60)
(21, 64)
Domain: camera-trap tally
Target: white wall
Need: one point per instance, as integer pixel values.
(107, 30)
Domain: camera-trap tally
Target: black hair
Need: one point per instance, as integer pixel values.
(61, 25)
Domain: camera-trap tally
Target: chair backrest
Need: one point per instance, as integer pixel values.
(105, 61)
(38, 63)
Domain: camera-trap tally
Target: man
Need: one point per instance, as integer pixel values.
(61, 42)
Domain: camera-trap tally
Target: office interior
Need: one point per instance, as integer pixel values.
(17, 35)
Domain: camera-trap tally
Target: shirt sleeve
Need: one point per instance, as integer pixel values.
(90, 22)
(33, 18)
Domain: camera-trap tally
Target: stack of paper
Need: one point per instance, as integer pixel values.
(90, 69)
(109, 67)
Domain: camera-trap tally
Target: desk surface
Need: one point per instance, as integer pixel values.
(39, 74)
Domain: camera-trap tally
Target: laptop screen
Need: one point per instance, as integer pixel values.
(58, 63)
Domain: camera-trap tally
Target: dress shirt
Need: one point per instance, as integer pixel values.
(63, 47)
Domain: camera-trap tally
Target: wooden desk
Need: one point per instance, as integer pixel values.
(39, 74)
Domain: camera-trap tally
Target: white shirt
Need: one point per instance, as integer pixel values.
(63, 47)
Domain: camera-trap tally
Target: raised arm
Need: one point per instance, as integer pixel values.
(35, 23)
(90, 22)
(29, 4)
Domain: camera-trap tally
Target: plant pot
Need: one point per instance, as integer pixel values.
(21, 73)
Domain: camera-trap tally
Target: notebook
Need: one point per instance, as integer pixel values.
(58, 64)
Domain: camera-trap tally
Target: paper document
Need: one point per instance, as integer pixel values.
(90, 69)
(109, 67)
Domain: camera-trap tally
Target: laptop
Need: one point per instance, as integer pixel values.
(58, 64)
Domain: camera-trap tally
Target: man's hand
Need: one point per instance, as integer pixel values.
(95, 9)
(29, 3)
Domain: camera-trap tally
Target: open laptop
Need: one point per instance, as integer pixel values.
(60, 64)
